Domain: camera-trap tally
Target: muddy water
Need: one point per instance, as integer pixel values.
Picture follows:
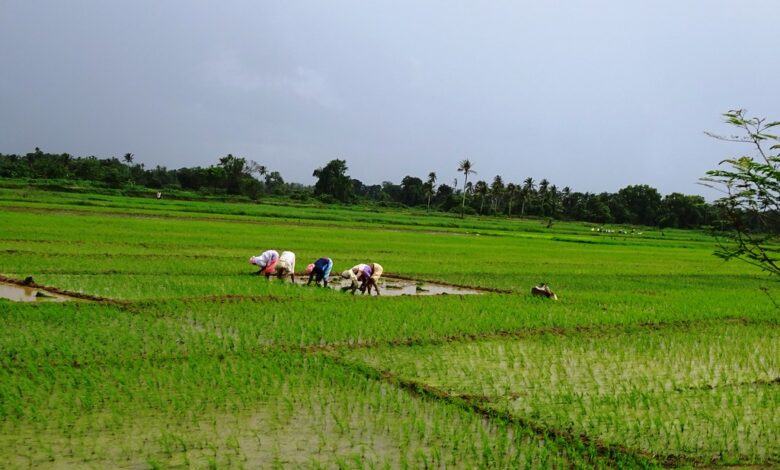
(28, 294)
(392, 287)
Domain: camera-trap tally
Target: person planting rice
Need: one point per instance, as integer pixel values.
(376, 273)
(364, 276)
(286, 265)
(319, 271)
(356, 275)
(266, 261)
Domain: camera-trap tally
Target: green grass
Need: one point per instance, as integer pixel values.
(274, 409)
(657, 352)
(191, 391)
(693, 392)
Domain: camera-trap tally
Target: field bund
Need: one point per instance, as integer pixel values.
(657, 354)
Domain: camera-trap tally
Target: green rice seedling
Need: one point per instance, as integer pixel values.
(229, 366)
(250, 416)
(645, 412)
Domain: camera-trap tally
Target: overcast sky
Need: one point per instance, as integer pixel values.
(592, 94)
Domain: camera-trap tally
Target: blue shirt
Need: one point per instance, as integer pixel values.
(322, 268)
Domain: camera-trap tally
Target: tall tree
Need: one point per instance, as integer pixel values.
(642, 203)
(554, 199)
(445, 197)
(543, 187)
(128, 158)
(332, 180)
(511, 193)
(429, 187)
(466, 167)
(274, 183)
(235, 170)
(481, 189)
(496, 192)
(567, 201)
(253, 167)
(681, 211)
(412, 191)
(528, 193)
(215, 176)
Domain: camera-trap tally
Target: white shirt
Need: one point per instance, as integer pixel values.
(287, 261)
(267, 258)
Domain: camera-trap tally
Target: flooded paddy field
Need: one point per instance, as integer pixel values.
(17, 293)
(657, 354)
(393, 287)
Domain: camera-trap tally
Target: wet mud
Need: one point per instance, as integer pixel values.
(395, 287)
(17, 293)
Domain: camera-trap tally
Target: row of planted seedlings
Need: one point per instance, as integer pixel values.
(321, 318)
(182, 246)
(298, 214)
(108, 386)
(702, 394)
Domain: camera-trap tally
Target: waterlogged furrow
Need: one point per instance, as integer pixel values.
(703, 392)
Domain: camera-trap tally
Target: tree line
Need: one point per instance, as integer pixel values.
(231, 175)
(634, 204)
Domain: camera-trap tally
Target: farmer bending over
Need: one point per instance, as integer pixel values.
(267, 262)
(286, 265)
(357, 274)
(364, 276)
(376, 273)
(319, 271)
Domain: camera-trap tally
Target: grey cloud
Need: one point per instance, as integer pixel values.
(591, 94)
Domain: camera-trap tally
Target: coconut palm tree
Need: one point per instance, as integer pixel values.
(496, 191)
(566, 200)
(481, 190)
(465, 166)
(527, 192)
(544, 186)
(511, 192)
(555, 201)
(429, 187)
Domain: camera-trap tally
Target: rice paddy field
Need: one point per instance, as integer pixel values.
(168, 353)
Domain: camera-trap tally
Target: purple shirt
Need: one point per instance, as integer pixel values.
(367, 271)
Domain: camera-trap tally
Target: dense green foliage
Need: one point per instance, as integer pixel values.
(333, 181)
(635, 204)
(657, 352)
(232, 175)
